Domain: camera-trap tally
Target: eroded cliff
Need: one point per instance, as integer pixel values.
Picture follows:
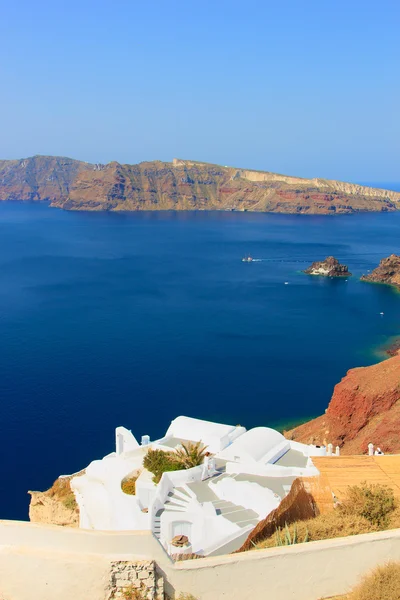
(387, 272)
(55, 506)
(365, 407)
(181, 185)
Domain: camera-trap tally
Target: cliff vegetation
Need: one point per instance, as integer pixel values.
(57, 505)
(365, 508)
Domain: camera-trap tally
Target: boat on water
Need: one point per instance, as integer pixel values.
(247, 258)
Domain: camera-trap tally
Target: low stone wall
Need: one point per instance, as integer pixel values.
(40, 562)
(143, 576)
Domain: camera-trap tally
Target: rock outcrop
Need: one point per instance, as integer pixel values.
(298, 505)
(181, 185)
(56, 506)
(330, 267)
(387, 272)
(365, 407)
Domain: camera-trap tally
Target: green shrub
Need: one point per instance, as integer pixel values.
(159, 462)
(190, 454)
(366, 508)
(70, 502)
(324, 527)
(289, 538)
(374, 502)
(61, 490)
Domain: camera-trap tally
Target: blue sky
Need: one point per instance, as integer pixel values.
(299, 87)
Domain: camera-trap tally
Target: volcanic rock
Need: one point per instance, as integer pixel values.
(387, 272)
(330, 267)
(181, 185)
(365, 407)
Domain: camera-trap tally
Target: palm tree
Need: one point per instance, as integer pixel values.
(190, 454)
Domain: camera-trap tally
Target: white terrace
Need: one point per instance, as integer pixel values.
(215, 505)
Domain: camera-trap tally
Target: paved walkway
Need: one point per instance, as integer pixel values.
(341, 471)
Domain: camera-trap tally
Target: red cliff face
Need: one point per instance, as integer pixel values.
(365, 407)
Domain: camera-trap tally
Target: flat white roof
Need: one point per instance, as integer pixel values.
(188, 428)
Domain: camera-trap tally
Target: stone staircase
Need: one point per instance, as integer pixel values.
(178, 501)
(180, 498)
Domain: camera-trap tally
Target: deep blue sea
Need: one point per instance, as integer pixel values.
(111, 319)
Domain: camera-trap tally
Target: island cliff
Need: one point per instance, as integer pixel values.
(365, 407)
(330, 267)
(56, 506)
(387, 272)
(180, 185)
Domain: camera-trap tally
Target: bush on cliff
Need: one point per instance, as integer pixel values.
(61, 490)
(323, 527)
(374, 502)
(366, 508)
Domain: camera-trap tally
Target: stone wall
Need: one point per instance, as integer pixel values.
(42, 562)
(136, 580)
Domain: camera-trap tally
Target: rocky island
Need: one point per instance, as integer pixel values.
(181, 185)
(387, 272)
(330, 267)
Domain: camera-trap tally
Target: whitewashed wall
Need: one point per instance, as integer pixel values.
(43, 562)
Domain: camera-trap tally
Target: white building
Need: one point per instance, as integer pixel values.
(215, 505)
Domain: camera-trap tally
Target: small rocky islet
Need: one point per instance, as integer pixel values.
(330, 267)
(365, 405)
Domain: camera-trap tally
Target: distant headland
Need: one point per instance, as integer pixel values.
(181, 185)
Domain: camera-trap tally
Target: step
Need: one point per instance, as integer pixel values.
(228, 507)
(239, 516)
(174, 502)
(177, 501)
(174, 508)
(202, 491)
(220, 477)
(247, 522)
(182, 493)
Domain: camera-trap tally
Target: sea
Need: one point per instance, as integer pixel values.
(132, 319)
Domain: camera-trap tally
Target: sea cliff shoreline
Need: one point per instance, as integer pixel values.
(182, 185)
